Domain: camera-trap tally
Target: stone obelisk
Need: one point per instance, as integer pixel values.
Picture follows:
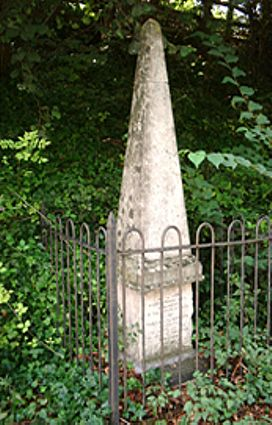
(151, 200)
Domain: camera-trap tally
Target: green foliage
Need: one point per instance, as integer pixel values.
(247, 382)
(29, 148)
(256, 126)
(211, 402)
(158, 398)
(66, 77)
(219, 402)
(54, 393)
(27, 320)
(222, 399)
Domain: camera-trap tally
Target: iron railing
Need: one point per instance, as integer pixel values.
(232, 283)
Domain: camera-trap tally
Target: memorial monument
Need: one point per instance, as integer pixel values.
(151, 200)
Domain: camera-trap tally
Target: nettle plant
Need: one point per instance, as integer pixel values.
(253, 124)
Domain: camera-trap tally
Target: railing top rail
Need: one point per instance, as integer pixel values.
(219, 244)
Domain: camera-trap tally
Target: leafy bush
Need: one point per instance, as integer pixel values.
(53, 393)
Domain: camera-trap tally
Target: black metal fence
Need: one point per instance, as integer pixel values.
(230, 299)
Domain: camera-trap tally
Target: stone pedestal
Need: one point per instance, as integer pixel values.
(165, 324)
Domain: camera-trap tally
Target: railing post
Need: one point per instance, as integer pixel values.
(111, 264)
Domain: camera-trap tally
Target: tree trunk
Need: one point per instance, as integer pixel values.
(5, 57)
(229, 19)
(207, 9)
(265, 37)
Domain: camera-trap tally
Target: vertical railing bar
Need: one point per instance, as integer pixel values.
(265, 218)
(269, 287)
(75, 295)
(81, 295)
(111, 259)
(242, 292)
(69, 289)
(90, 302)
(99, 331)
(220, 259)
(242, 244)
(63, 295)
(51, 247)
(81, 264)
(212, 266)
(212, 304)
(161, 316)
(44, 228)
(143, 321)
(228, 301)
(197, 303)
(256, 276)
(124, 321)
(56, 236)
(180, 289)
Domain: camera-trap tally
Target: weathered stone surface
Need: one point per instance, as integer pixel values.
(172, 271)
(152, 194)
(176, 335)
(151, 200)
(141, 285)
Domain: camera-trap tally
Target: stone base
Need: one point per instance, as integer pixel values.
(157, 314)
(186, 360)
(143, 330)
(185, 363)
(187, 367)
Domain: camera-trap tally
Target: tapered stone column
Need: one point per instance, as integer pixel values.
(151, 200)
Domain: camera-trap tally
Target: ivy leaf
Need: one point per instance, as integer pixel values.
(19, 56)
(238, 72)
(246, 91)
(172, 48)
(225, 65)
(269, 174)
(229, 161)
(242, 129)
(230, 80)
(188, 407)
(183, 152)
(268, 132)
(250, 135)
(245, 115)
(216, 159)
(231, 58)
(216, 52)
(34, 57)
(42, 29)
(197, 157)
(186, 51)
(261, 169)
(262, 119)
(254, 106)
(243, 161)
(86, 20)
(236, 100)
